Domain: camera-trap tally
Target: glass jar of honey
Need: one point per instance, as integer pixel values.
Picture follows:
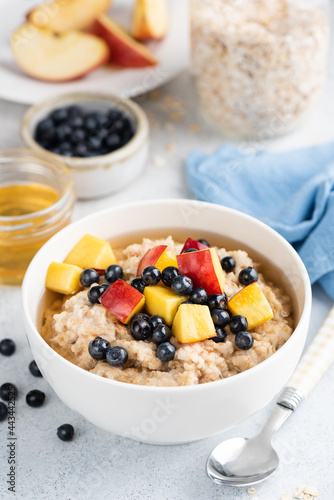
(36, 200)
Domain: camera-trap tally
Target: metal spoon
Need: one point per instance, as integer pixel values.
(244, 462)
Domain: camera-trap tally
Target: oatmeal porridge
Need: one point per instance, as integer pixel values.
(71, 324)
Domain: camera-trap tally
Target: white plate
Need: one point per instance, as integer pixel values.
(172, 53)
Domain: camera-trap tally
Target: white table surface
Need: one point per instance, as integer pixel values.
(104, 466)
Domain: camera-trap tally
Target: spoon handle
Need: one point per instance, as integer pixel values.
(314, 363)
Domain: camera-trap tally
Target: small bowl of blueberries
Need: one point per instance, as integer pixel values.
(102, 139)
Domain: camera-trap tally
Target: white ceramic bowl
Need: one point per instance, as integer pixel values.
(99, 175)
(169, 415)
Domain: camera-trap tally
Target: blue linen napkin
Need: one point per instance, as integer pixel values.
(293, 192)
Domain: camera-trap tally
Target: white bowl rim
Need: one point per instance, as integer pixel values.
(119, 155)
(166, 389)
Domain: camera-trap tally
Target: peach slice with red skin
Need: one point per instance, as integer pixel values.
(123, 301)
(204, 269)
(124, 50)
(159, 256)
(190, 243)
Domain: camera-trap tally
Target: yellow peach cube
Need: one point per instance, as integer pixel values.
(63, 278)
(93, 252)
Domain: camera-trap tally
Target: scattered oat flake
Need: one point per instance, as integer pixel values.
(169, 127)
(285, 497)
(158, 161)
(176, 117)
(169, 146)
(194, 128)
(155, 94)
(309, 490)
(251, 491)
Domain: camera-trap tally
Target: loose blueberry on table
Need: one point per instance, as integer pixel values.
(7, 347)
(71, 131)
(34, 370)
(3, 411)
(35, 398)
(8, 391)
(65, 432)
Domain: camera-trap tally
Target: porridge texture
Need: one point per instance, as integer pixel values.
(258, 64)
(70, 325)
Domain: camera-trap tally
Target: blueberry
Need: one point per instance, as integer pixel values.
(244, 340)
(228, 264)
(220, 317)
(117, 356)
(3, 411)
(82, 150)
(221, 335)
(95, 293)
(140, 329)
(91, 123)
(162, 333)
(74, 111)
(248, 276)
(156, 320)
(35, 398)
(218, 300)
(76, 121)
(7, 347)
(88, 277)
(198, 296)
(95, 142)
(138, 284)
(168, 274)
(63, 132)
(113, 273)
(112, 141)
(98, 348)
(59, 115)
(141, 316)
(34, 370)
(151, 275)
(204, 242)
(166, 352)
(45, 132)
(114, 114)
(8, 391)
(238, 324)
(182, 285)
(65, 432)
(78, 135)
(65, 149)
(190, 250)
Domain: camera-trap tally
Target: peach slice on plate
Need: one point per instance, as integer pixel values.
(251, 303)
(63, 278)
(150, 19)
(124, 50)
(159, 256)
(91, 252)
(204, 268)
(52, 57)
(123, 301)
(193, 323)
(67, 15)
